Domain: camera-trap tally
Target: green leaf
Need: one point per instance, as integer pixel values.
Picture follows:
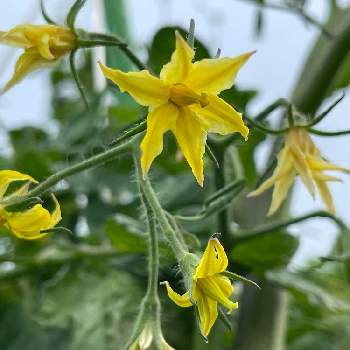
(268, 251)
(125, 239)
(163, 45)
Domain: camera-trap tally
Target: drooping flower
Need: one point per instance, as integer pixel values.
(30, 223)
(184, 100)
(300, 156)
(43, 45)
(209, 287)
(146, 338)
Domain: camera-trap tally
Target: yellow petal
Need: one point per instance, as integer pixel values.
(216, 74)
(146, 89)
(216, 288)
(302, 168)
(28, 224)
(284, 166)
(8, 176)
(159, 121)
(317, 175)
(180, 300)
(280, 191)
(207, 309)
(56, 216)
(326, 196)
(145, 339)
(220, 117)
(29, 61)
(43, 46)
(320, 164)
(15, 37)
(213, 261)
(177, 70)
(191, 137)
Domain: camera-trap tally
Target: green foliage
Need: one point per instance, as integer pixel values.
(268, 251)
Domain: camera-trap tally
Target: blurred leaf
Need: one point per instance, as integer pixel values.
(94, 307)
(268, 251)
(124, 239)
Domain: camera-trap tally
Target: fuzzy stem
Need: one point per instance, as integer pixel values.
(89, 163)
(179, 250)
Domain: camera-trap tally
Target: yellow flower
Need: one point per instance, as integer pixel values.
(209, 287)
(26, 224)
(145, 339)
(300, 157)
(184, 100)
(43, 45)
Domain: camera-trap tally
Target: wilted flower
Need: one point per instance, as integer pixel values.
(43, 45)
(300, 157)
(145, 339)
(29, 223)
(184, 100)
(209, 287)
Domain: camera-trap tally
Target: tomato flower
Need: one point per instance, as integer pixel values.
(30, 223)
(43, 45)
(300, 156)
(184, 100)
(209, 287)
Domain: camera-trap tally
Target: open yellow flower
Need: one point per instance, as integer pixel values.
(209, 287)
(300, 157)
(30, 223)
(146, 338)
(43, 45)
(184, 100)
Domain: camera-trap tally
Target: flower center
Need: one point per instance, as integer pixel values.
(181, 95)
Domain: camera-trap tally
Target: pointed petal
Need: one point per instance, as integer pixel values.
(44, 47)
(29, 61)
(8, 176)
(284, 166)
(280, 191)
(180, 65)
(56, 216)
(15, 37)
(146, 89)
(220, 117)
(180, 300)
(326, 196)
(159, 121)
(213, 261)
(207, 309)
(191, 138)
(216, 74)
(216, 289)
(302, 168)
(28, 224)
(320, 164)
(318, 175)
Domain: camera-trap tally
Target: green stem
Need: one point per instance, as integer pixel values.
(153, 254)
(76, 77)
(266, 129)
(179, 250)
(320, 117)
(89, 163)
(329, 133)
(275, 227)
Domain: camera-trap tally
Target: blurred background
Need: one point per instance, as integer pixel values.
(43, 127)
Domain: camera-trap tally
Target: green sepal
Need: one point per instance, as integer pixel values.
(73, 12)
(235, 276)
(45, 14)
